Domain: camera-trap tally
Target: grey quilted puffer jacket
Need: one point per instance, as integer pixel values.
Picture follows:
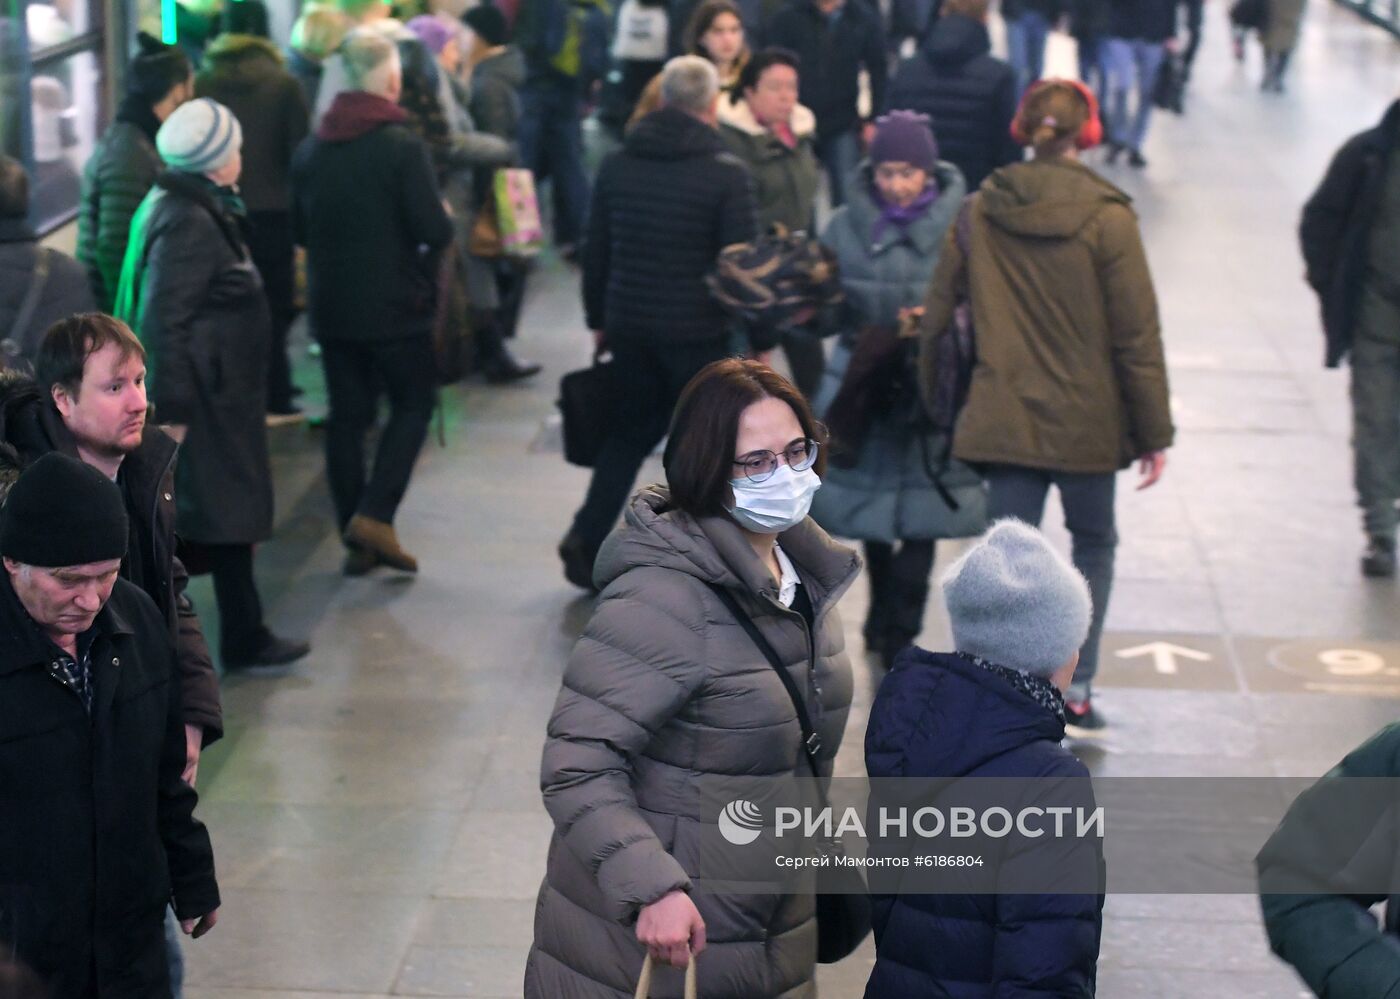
(664, 701)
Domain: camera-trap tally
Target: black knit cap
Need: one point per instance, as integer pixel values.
(488, 23)
(62, 512)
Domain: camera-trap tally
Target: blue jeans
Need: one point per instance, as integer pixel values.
(839, 153)
(551, 144)
(173, 954)
(1129, 64)
(1025, 42)
(1016, 491)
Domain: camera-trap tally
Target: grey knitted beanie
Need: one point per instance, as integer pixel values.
(1015, 601)
(201, 136)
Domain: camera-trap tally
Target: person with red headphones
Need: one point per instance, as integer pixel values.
(1070, 383)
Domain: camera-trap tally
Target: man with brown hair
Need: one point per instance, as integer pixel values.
(89, 402)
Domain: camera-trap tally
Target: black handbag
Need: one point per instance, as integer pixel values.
(586, 403)
(843, 904)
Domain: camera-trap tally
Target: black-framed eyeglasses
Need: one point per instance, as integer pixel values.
(759, 466)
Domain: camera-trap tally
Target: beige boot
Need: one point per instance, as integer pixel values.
(379, 538)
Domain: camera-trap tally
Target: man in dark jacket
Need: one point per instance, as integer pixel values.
(246, 73)
(969, 94)
(89, 401)
(835, 40)
(663, 207)
(38, 285)
(99, 834)
(1349, 229)
(1331, 860)
(1132, 56)
(125, 163)
(984, 725)
(372, 275)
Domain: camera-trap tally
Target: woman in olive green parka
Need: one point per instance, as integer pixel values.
(1070, 383)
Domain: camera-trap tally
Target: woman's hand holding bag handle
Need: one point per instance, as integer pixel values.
(644, 980)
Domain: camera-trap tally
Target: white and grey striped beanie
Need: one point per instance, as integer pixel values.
(201, 136)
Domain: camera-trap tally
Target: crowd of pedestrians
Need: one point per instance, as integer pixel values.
(355, 175)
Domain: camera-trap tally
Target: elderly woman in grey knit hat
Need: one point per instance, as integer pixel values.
(192, 294)
(991, 715)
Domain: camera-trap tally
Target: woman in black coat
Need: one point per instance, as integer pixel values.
(190, 290)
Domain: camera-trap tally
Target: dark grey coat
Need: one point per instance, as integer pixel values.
(65, 290)
(191, 293)
(665, 698)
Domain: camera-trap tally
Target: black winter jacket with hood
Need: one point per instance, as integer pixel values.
(1336, 228)
(370, 278)
(969, 93)
(31, 427)
(663, 207)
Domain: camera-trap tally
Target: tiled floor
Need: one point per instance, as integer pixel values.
(375, 810)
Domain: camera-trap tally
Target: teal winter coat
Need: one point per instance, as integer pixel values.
(890, 494)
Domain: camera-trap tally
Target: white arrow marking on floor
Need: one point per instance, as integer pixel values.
(1164, 655)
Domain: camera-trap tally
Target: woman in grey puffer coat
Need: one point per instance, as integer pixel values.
(894, 490)
(667, 703)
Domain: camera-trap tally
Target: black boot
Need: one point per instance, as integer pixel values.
(504, 367)
(1379, 560)
(578, 562)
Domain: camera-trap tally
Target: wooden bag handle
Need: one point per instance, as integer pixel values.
(644, 980)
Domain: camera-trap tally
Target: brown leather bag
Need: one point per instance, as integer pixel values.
(485, 237)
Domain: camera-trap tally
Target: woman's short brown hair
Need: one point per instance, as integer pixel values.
(699, 457)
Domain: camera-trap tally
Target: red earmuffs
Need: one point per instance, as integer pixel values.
(1089, 136)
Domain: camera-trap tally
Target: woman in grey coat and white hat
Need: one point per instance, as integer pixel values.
(667, 701)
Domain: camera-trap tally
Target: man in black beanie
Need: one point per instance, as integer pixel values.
(124, 165)
(99, 834)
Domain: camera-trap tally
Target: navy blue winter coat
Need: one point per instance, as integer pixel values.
(968, 93)
(943, 716)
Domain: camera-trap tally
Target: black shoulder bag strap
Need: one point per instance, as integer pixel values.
(843, 907)
(30, 302)
(811, 740)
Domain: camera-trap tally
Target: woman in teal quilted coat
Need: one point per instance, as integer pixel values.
(893, 489)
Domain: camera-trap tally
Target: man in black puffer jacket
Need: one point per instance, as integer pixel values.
(663, 207)
(969, 94)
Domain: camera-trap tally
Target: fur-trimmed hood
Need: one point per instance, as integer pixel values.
(736, 113)
(228, 49)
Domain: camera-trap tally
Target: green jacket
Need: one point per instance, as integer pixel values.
(1070, 372)
(1334, 857)
(116, 178)
(785, 180)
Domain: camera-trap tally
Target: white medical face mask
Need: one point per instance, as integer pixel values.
(776, 504)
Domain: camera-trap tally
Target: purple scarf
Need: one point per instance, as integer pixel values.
(902, 216)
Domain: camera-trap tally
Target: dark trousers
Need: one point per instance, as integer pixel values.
(1088, 505)
(649, 379)
(511, 276)
(272, 247)
(356, 374)
(807, 360)
(551, 144)
(839, 155)
(242, 633)
(899, 584)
